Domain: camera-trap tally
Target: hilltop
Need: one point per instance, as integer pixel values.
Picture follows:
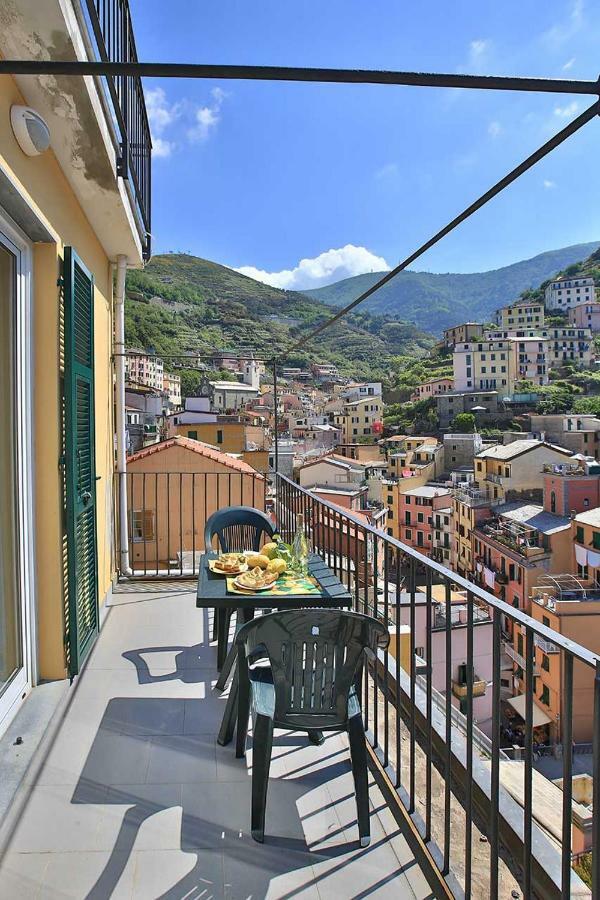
(436, 301)
(180, 303)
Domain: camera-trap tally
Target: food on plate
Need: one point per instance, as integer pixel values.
(256, 578)
(278, 566)
(230, 562)
(257, 559)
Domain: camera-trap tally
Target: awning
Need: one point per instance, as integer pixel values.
(539, 716)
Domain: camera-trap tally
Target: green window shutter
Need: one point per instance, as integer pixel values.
(80, 464)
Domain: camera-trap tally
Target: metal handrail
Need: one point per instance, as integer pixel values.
(113, 31)
(582, 653)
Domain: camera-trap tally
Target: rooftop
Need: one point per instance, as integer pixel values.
(590, 517)
(516, 448)
(426, 491)
(198, 447)
(533, 516)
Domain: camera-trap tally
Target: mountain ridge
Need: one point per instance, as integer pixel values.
(433, 301)
(181, 303)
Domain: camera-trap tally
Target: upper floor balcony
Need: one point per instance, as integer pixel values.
(99, 127)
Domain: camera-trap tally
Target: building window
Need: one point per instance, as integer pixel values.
(142, 525)
(545, 663)
(552, 502)
(408, 534)
(219, 436)
(579, 535)
(193, 435)
(545, 696)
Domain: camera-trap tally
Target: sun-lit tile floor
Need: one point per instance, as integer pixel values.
(136, 799)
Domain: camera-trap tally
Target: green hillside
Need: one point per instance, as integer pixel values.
(181, 303)
(434, 302)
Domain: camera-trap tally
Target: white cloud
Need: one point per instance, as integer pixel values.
(478, 49)
(161, 147)
(494, 129)
(569, 64)
(207, 117)
(565, 112)
(330, 266)
(162, 116)
(563, 31)
(390, 170)
(549, 184)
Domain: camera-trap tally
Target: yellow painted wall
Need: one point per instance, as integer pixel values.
(43, 184)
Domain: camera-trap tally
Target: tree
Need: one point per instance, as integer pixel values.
(463, 423)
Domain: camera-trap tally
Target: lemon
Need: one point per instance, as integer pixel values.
(270, 550)
(277, 566)
(257, 559)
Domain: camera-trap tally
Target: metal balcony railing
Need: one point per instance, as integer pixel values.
(115, 42)
(167, 513)
(452, 793)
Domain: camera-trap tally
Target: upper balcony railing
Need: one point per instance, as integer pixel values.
(425, 745)
(113, 32)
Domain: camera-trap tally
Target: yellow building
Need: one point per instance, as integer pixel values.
(67, 217)
(511, 470)
(469, 506)
(521, 314)
(249, 442)
(356, 419)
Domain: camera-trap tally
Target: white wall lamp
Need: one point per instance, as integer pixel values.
(30, 130)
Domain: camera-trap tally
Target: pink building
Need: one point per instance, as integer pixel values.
(415, 515)
(586, 315)
(482, 650)
(432, 388)
(568, 489)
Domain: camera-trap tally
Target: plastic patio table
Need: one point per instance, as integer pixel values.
(213, 594)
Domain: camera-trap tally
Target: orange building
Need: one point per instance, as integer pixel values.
(173, 488)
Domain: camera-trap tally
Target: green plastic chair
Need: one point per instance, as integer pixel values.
(298, 670)
(236, 528)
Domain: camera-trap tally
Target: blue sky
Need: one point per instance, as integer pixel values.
(349, 178)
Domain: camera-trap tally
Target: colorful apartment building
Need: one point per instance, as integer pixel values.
(359, 419)
(571, 608)
(172, 387)
(413, 519)
(578, 432)
(569, 291)
(586, 545)
(521, 314)
(484, 405)
(469, 507)
(499, 364)
(585, 315)
(571, 487)
(432, 388)
(145, 369)
(514, 470)
(459, 334)
(516, 547)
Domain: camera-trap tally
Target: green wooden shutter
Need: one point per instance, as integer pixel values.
(80, 466)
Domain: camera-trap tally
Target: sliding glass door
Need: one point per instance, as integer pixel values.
(14, 619)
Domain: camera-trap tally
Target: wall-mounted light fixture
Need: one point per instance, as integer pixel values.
(30, 130)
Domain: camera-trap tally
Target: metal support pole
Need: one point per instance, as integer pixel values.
(276, 417)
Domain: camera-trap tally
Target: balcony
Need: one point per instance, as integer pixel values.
(493, 478)
(461, 690)
(133, 797)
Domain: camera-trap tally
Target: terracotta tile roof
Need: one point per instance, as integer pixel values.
(201, 449)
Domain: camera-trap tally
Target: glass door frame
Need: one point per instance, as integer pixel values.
(15, 242)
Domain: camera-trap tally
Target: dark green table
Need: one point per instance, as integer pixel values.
(212, 594)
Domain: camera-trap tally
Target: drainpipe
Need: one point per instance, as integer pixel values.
(120, 423)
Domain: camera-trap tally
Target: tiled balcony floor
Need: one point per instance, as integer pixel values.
(136, 799)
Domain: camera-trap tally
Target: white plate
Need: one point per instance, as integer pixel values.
(247, 587)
